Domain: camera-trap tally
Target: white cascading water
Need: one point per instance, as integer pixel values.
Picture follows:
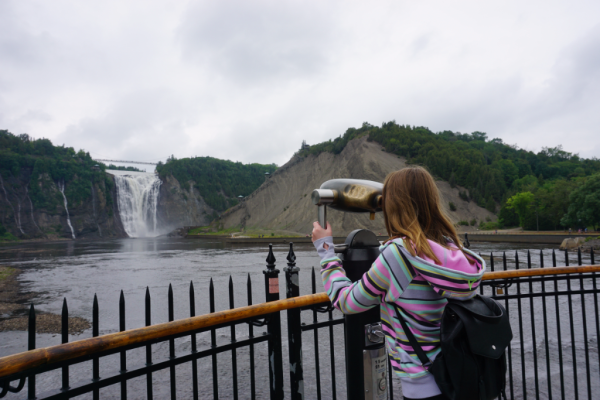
(61, 187)
(137, 198)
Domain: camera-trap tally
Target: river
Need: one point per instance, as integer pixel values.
(76, 270)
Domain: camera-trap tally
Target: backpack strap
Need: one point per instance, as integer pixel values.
(425, 361)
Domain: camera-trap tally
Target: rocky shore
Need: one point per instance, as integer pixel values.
(585, 244)
(14, 304)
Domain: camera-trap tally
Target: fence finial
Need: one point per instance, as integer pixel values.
(291, 257)
(271, 258)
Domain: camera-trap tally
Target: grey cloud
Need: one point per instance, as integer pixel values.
(139, 126)
(252, 42)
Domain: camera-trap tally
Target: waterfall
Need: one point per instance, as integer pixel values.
(137, 198)
(61, 187)
(31, 208)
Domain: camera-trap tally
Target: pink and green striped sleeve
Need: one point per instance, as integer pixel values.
(377, 285)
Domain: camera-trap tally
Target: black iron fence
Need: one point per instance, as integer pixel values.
(554, 353)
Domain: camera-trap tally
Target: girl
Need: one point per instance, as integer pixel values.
(439, 268)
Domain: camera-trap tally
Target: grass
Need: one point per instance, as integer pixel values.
(206, 230)
(198, 230)
(269, 235)
(6, 272)
(489, 226)
(253, 233)
(8, 237)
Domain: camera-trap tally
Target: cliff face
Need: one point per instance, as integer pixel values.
(96, 216)
(283, 202)
(181, 205)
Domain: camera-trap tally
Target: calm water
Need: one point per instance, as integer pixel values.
(75, 270)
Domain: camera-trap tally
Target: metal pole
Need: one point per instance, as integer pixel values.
(274, 329)
(294, 328)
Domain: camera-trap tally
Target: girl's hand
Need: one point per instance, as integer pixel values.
(318, 232)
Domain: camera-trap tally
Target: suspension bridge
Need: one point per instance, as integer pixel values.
(125, 161)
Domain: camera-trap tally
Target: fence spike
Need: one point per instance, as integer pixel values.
(194, 346)
(592, 255)
(516, 260)
(213, 340)
(192, 300)
(291, 257)
(553, 258)
(541, 259)
(504, 260)
(31, 346)
(528, 259)
(492, 261)
(64, 319)
(566, 257)
(230, 292)
(170, 300)
(31, 329)
(579, 256)
(313, 281)
(64, 330)
(122, 312)
(95, 360)
(249, 290)
(211, 296)
(95, 319)
(271, 258)
(148, 307)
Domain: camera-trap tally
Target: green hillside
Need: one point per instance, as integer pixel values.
(46, 163)
(552, 187)
(220, 182)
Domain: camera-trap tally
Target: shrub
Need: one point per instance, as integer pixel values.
(490, 226)
(272, 234)
(473, 222)
(463, 223)
(463, 195)
(452, 206)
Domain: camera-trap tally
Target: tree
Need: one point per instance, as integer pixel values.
(584, 207)
(491, 205)
(509, 171)
(452, 180)
(521, 202)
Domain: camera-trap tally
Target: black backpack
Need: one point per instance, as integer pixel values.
(474, 335)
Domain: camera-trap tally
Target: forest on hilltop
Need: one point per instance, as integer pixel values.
(219, 182)
(553, 188)
(47, 161)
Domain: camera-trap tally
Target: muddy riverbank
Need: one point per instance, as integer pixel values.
(14, 308)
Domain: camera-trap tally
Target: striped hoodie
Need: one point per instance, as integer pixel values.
(419, 289)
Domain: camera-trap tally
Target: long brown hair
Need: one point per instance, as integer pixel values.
(412, 210)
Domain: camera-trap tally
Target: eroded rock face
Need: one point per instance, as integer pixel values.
(96, 216)
(283, 202)
(181, 205)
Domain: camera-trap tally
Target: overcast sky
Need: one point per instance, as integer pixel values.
(248, 80)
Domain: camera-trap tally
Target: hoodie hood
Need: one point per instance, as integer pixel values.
(455, 277)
